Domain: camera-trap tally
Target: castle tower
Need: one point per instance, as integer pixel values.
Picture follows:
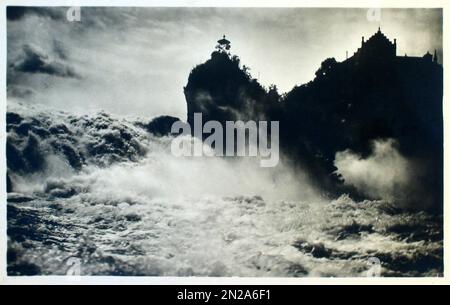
(378, 47)
(435, 57)
(223, 45)
(428, 57)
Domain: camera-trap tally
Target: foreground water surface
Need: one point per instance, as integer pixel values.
(102, 205)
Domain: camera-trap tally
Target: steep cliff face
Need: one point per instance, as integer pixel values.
(351, 104)
(346, 107)
(221, 90)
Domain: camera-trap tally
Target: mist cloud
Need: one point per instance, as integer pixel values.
(385, 174)
(18, 12)
(34, 61)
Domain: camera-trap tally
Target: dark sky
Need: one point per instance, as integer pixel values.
(136, 61)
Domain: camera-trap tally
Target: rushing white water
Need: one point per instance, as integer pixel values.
(134, 209)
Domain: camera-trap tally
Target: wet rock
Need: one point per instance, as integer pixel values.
(412, 264)
(33, 154)
(22, 268)
(63, 193)
(23, 128)
(132, 217)
(297, 270)
(161, 126)
(353, 230)
(41, 132)
(317, 250)
(13, 118)
(9, 185)
(14, 157)
(59, 129)
(16, 197)
(417, 232)
(73, 156)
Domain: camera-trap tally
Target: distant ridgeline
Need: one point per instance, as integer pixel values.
(374, 94)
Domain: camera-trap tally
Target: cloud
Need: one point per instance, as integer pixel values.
(59, 49)
(137, 60)
(34, 61)
(18, 12)
(20, 91)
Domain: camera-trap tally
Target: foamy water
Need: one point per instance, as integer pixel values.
(134, 209)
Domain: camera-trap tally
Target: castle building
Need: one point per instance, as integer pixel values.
(378, 49)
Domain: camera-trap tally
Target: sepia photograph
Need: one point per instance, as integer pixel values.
(201, 141)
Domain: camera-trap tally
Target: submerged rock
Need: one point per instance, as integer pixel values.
(17, 197)
(317, 250)
(161, 126)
